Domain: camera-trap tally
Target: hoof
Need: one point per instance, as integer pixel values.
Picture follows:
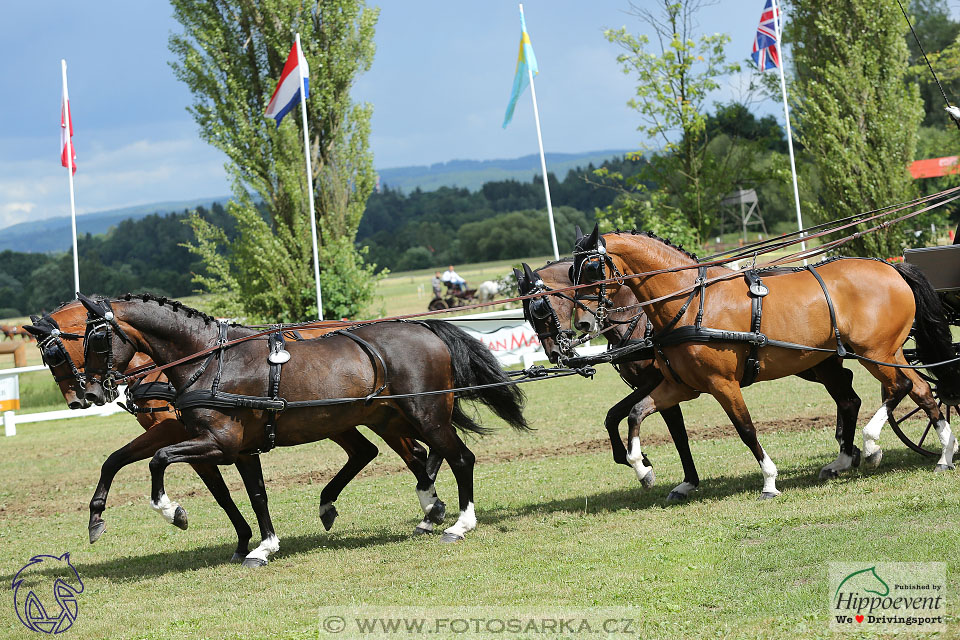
(766, 495)
(856, 457)
(940, 468)
(237, 557)
(676, 496)
(874, 458)
(328, 516)
(419, 531)
(648, 480)
(451, 537)
(96, 530)
(438, 512)
(828, 474)
(180, 518)
(253, 563)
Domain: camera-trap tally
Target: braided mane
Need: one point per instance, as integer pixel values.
(175, 305)
(651, 234)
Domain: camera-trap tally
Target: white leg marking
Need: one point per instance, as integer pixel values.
(948, 441)
(427, 498)
(635, 458)
(842, 463)
(769, 475)
(165, 507)
(425, 525)
(872, 431)
(271, 544)
(684, 489)
(466, 522)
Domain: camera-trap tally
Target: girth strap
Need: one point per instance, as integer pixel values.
(841, 350)
(757, 291)
(276, 344)
(375, 357)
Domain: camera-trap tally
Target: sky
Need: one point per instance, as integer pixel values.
(439, 86)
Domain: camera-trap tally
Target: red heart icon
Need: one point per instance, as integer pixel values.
(859, 619)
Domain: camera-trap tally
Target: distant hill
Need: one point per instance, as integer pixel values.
(53, 234)
(472, 174)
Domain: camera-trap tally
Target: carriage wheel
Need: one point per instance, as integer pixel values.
(436, 305)
(911, 425)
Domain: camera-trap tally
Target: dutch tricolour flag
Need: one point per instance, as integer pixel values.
(287, 93)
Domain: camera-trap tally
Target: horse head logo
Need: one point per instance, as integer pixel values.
(865, 580)
(30, 585)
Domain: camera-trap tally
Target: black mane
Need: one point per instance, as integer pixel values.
(651, 234)
(176, 305)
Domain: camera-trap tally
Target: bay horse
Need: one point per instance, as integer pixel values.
(627, 322)
(64, 358)
(836, 307)
(416, 364)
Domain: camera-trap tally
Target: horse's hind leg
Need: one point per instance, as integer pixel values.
(252, 474)
(895, 386)
(839, 384)
(360, 452)
(921, 394)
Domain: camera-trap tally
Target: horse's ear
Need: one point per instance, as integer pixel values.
(528, 272)
(90, 305)
(35, 331)
(34, 319)
(517, 275)
(579, 233)
(594, 238)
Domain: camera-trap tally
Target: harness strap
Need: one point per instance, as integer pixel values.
(375, 357)
(752, 366)
(841, 350)
(276, 343)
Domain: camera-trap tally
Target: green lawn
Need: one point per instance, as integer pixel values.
(560, 526)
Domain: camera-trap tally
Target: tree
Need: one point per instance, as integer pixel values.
(937, 31)
(675, 77)
(230, 55)
(858, 116)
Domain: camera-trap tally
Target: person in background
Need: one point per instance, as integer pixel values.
(451, 277)
(437, 284)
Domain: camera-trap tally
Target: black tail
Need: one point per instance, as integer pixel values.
(474, 365)
(932, 333)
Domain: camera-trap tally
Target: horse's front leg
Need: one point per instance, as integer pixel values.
(252, 474)
(615, 416)
(143, 446)
(203, 449)
(667, 394)
(678, 431)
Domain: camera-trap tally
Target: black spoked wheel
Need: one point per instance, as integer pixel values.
(910, 423)
(437, 304)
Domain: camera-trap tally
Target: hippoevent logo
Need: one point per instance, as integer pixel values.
(888, 596)
(45, 593)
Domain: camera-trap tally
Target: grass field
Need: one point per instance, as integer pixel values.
(560, 526)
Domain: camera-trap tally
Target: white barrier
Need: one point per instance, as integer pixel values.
(11, 418)
(505, 333)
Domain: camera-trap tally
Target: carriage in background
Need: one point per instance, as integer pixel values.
(454, 298)
(941, 266)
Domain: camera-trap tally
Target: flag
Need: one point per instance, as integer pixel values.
(66, 136)
(526, 60)
(287, 93)
(765, 52)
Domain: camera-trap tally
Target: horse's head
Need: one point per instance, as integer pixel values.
(61, 348)
(547, 314)
(107, 350)
(592, 264)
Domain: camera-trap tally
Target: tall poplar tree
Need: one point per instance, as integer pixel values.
(857, 113)
(231, 54)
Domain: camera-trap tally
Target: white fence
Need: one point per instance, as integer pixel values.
(505, 333)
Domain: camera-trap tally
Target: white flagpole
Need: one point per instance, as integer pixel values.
(73, 207)
(543, 160)
(306, 153)
(786, 113)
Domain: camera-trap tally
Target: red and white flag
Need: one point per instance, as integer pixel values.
(68, 154)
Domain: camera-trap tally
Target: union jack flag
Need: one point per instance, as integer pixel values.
(765, 52)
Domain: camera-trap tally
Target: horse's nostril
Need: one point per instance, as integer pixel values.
(76, 404)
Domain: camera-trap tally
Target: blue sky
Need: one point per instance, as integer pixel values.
(439, 86)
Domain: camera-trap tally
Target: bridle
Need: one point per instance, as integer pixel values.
(589, 265)
(100, 330)
(54, 353)
(541, 309)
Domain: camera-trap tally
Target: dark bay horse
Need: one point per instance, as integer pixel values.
(870, 310)
(65, 359)
(392, 358)
(549, 314)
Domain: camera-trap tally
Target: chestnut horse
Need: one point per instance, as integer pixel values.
(65, 359)
(869, 311)
(549, 314)
(225, 407)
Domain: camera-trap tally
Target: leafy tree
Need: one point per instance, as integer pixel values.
(230, 55)
(675, 76)
(937, 31)
(858, 116)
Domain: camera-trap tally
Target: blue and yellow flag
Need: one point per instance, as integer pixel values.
(526, 60)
